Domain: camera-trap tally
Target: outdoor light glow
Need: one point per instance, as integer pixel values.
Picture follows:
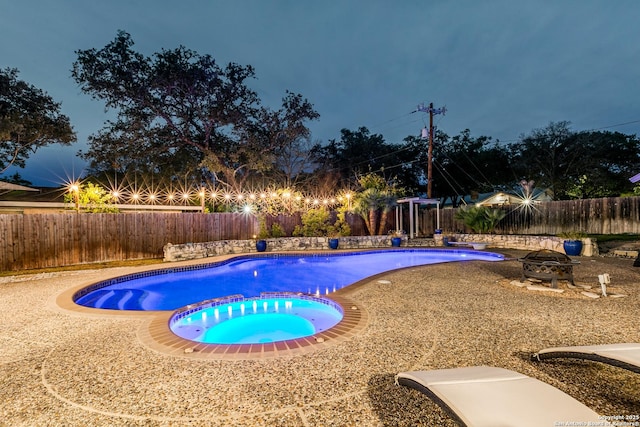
(253, 200)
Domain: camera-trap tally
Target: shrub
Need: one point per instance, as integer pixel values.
(315, 222)
(572, 235)
(277, 230)
(480, 219)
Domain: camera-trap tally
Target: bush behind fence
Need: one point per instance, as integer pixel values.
(54, 240)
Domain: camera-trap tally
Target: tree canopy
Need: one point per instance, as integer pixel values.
(29, 119)
(360, 152)
(466, 165)
(577, 165)
(179, 110)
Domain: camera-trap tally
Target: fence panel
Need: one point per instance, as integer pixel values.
(614, 215)
(51, 240)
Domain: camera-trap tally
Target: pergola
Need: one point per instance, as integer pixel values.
(414, 204)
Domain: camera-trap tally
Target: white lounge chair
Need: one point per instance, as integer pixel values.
(622, 355)
(491, 397)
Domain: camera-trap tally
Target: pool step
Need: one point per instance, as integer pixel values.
(121, 299)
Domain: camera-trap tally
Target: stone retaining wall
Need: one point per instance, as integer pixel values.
(523, 242)
(188, 251)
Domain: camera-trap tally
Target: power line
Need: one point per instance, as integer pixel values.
(619, 124)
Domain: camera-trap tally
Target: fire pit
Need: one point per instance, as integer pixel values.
(548, 265)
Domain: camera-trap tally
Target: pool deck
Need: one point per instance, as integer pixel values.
(69, 366)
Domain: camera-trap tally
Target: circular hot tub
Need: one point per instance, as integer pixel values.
(268, 318)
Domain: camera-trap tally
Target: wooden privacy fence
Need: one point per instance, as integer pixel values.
(611, 215)
(53, 240)
(61, 239)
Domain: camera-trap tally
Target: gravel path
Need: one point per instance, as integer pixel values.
(61, 368)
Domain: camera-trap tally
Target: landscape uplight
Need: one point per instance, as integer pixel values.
(74, 188)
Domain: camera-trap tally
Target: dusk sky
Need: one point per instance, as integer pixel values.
(502, 68)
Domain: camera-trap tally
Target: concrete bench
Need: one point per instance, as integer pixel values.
(474, 245)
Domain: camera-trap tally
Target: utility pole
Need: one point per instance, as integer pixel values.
(431, 112)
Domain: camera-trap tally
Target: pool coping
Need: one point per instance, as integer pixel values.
(157, 335)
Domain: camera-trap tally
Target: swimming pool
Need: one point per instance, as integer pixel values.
(250, 275)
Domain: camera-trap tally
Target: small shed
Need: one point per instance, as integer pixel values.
(502, 198)
(5, 187)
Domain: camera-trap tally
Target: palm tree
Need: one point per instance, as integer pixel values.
(375, 201)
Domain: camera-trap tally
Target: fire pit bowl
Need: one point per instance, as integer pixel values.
(547, 265)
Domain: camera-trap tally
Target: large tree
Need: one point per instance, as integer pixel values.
(29, 119)
(547, 156)
(577, 165)
(285, 140)
(177, 107)
(357, 153)
(466, 165)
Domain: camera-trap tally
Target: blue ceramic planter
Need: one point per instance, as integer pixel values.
(333, 243)
(261, 245)
(572, 247)
(396, 241)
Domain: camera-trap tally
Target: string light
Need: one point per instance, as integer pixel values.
(247, 201)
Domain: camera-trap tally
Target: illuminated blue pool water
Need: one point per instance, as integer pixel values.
(256, 321)
(318, 274)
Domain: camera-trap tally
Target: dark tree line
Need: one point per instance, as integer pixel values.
(564, 163)
(181, 116)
